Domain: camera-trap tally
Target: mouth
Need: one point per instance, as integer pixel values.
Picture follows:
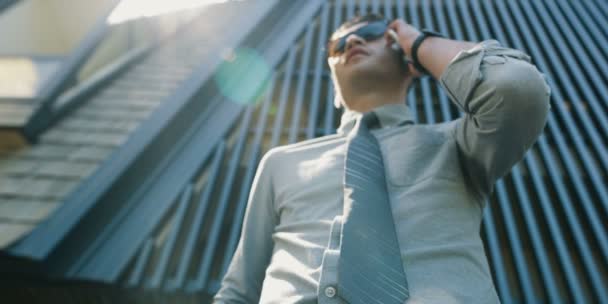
(354, 53)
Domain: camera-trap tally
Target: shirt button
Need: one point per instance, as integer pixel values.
(330, 292)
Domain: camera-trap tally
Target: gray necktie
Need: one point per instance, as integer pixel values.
(370, 269)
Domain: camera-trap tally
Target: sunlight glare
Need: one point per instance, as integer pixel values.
(133, 9)
(18, 77)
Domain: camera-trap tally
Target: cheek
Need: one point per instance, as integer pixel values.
(391, 59)
(337, 72)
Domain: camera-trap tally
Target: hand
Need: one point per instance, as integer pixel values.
(406, 34)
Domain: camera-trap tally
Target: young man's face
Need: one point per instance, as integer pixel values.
(362, 63)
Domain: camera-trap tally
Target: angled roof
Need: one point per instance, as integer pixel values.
(35, 179)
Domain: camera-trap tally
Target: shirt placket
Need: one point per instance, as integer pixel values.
(327, 292)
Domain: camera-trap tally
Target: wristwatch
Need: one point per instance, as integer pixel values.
(425, 34)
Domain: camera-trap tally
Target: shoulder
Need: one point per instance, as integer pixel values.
(279, 163)
(437, 132)
(288, 152)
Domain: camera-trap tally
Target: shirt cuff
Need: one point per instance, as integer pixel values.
(463, 73)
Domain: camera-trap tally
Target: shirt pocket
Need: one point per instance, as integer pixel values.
(414, 156)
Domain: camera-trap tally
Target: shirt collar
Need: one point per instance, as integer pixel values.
(388, 114)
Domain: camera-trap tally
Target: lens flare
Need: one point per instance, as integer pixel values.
(243, 75)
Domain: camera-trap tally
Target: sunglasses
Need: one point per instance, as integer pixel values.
(368, 32)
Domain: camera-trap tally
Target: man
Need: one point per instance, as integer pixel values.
(295, 245)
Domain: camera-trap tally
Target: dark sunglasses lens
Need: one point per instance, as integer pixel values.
(367, 32)
(372, 31)
(338, 46)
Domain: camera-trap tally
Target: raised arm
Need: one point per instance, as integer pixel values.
(243, 280)
(505, 99)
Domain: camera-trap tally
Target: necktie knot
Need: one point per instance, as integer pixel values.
(370, 120)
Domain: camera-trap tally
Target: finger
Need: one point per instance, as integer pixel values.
(388, 39)
(396, 25)
(393, 35)
(393, 25)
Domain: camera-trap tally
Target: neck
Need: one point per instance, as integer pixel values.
(365, 99)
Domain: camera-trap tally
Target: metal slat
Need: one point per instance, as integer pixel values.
(350, 10)
(318, 72)
(552, 128)
(515, 242)
(600, 187)
(596, 14)
(443, 97)
(176, 226)
(594, 54)
(522, 194)
(387, 6)
(583, 15)
(142, 261)
(375, 6)
(177, 282)
(554, 227)
(563, 196)
(580, 145)
(575, 70)
(280, 116)
(412, 98)
(204, 268)
(427, 100)
(329, 105)
(247, 179)
(297, 109)
(520, 191)
(537, 241)
(237, 224)
(602, 6)
(330, 108)
(539, 251)
(433, 84)
(362, 7)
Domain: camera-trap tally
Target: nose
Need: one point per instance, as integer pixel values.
(352, 40)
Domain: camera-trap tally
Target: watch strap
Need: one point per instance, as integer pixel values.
(424, 34)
